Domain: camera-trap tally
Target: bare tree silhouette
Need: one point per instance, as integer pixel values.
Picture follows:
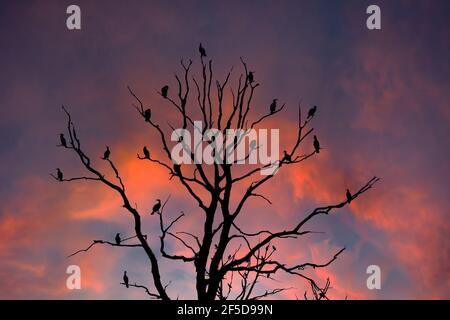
(229, 261)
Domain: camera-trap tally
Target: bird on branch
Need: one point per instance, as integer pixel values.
(118, 239)
(177, 168)
(312, 112)
(250, 77)
(273, 106)
(147, 115)
(165, 91)
(59, 174)
(146, 153)
(125, 279)
(287, 157)
(202, 50)
(349, 196)
(316, 144)
(156, 207)
(106, 153)
(63, 140)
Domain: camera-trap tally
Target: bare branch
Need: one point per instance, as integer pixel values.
(95, 242)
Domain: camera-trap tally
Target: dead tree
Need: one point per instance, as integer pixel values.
(229, 261)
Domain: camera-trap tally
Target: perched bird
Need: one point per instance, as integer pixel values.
(63, 140)
(177, 168)
(146, 153)
(59, 174)
(312, 112)
(118, 240)
(287, 157)
(349, 196)
(106, 153)
(273, 106)
(251, 77)
(147, 115)
(316, 144)
(125, 279)
(164, 91)
(156, 207)
(202, 50)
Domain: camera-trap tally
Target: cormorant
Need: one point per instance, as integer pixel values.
(312, 112)
(106, 153)
(146, 153)
(202, 50)
(63, 140)
(316, 144)
(164, 91)
(125, 279)
(287, 157)
(251, 77)
(349, 196)
(147, 115)
(59, 174)
(118, 240)
(273, 106)
(156, 207)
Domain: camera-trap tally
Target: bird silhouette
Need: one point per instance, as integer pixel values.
(118, 240)
(165, 91)
(202, 50)
(146, 153)
(312, 112)
(177, 168)
(125, 279)
(273, 106)
(316, 144)
(287, 157)
(106, 153)
(147, 115)
(250, 77)
(63, 140)
(349, 196)
(156, 207)
(59, 174)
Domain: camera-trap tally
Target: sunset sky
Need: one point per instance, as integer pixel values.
(383, 100)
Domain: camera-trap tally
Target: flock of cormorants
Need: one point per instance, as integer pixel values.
(147, 116)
